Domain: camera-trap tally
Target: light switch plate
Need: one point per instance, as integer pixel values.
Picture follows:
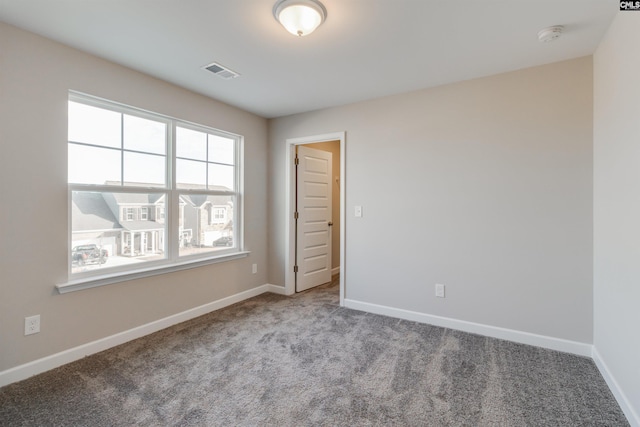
(358, 211)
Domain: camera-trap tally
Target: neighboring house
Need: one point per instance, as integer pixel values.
(133, 224)
(206, 219)
(94, 222)
(141, 217)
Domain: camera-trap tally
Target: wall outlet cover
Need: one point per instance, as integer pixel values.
(32, 325)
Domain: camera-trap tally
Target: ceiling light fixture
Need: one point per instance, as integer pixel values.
(300, 17)
(549, 34)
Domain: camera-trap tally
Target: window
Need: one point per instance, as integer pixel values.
(129, 214)
(206, 166)
(129, 210)
(218, 215)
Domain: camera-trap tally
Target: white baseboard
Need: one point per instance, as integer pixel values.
(47, 363)
(625, 404)
(574, 347)
(280, 290)
(335, 270)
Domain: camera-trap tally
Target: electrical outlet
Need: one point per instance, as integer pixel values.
(32, 324)
(439, 290)
(254, 268)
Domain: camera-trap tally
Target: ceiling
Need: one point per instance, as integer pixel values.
(365, 49)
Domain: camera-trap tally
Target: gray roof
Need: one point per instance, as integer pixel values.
(180, 186)
(200, 199)
(137, 198)
(142, 225)
(90, 212)
(183, 186)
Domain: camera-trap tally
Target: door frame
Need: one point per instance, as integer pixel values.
(290, 224)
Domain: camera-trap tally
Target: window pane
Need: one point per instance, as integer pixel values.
(108, 230)
(191, 144)
(93, 165)
(190, 174)
(221, 177)
(221, 150)
(144, 135)
(144, 170)
(92, 125)
(206, 224)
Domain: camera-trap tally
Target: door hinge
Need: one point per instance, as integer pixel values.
(297, 160)
(295, 268)
(296, 215)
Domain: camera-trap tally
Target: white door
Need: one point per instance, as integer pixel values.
(313, 202)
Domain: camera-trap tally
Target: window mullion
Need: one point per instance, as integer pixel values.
(173, 207)
(206, 176)
(121, 149)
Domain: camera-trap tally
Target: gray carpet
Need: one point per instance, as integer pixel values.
(303, 360)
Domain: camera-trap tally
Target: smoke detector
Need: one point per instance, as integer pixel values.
(549, 34)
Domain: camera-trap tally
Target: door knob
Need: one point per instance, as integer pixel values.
(330, 223)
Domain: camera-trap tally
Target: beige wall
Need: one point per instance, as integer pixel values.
(483, 185)
(617, 206)
(333, 147)
(35, 77)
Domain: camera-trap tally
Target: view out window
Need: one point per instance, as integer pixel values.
(205, 164)
(219, 214)
(128, 211)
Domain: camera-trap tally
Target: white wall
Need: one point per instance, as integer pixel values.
(617, 206)
(35, 77)
(483, 185)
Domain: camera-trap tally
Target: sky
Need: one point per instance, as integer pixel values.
(106, 145)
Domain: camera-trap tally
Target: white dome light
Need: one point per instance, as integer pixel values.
(299, 17)
(549, 34)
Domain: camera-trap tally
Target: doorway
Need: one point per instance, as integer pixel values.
(325, 142)
(315, 197)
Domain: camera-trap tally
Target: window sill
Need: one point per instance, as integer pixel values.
(107, 279)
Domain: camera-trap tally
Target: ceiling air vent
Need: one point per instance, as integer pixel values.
(221, 71)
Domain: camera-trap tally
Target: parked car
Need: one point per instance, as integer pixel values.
(223, 241)
(88, 254)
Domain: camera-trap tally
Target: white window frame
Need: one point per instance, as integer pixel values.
(144, 213)
(172, 260)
